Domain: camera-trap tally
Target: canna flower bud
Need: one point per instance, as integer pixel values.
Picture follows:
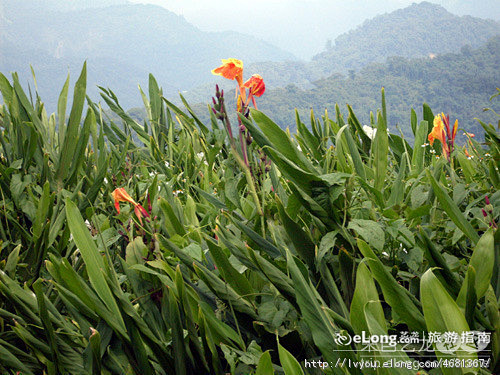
(484, 212)
(487, 200)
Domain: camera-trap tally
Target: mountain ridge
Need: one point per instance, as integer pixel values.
(135, 38)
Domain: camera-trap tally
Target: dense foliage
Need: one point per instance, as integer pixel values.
(232, 269)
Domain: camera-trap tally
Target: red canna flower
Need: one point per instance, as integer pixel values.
(256, 85)
(121, 195)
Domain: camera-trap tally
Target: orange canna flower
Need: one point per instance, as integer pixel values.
(121, 195)
(256, 85)
(444, 134)
(437, 131)
(230, 69)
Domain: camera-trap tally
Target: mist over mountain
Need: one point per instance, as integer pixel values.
(124, 42)
(121, 43)
(418, 30)
(459, 84)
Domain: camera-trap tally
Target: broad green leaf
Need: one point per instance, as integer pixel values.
(290, 365)
(397, 191)
(172, 222)
(265, 366)
(69, 144)
(237, 281)
(322, 328)
(452, 209)
(365, 297)
(442, 314)
(483, 262)
(413, 121)
(96, 268)
(359, 167)
(380, 151)
(95, 345)
(9, 359)
(417, 160)
(61, 110)
(302, 242)
(395, 295)
(370, 231)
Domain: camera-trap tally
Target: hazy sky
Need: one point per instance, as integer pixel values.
(302, 26)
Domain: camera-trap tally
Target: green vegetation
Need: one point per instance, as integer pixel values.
(415, 31)
(458, 84)
(235, 273)
(121, 43)
(418, 30)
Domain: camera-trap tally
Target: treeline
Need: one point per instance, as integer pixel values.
(458, 84)
(418, 30)
(415, 31)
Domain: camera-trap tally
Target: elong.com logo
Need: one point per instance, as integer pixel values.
(445, 342)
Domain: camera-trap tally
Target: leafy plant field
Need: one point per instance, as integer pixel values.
(172, 247)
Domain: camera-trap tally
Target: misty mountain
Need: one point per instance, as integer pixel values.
(459, 84)
(418, 30)
(121, 43)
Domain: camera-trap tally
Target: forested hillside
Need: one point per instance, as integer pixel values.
(416, 31)
(122, 44)
(459, 84)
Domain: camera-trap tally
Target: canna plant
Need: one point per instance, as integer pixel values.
(218, 266)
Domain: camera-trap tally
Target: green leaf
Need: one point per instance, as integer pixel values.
(417, 160)
(61, 110)
(47, 325)
(10, 360)
(290, 365)
(96, 268)
(302, 242)
(397, 191)
(177, 335)
(42, 211)
(280, 141)
(452, 209)
(68, 147)
(483, 262)
(265, 366)
(172, 223)
(380, 150)
(370, 231)
(442, 314)
(365, 298)
(395, 295)
(354, 152)
(95, 345)
(238, 281)
(302, 178)
(436, 259)
(322, 328)
(413, 121)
